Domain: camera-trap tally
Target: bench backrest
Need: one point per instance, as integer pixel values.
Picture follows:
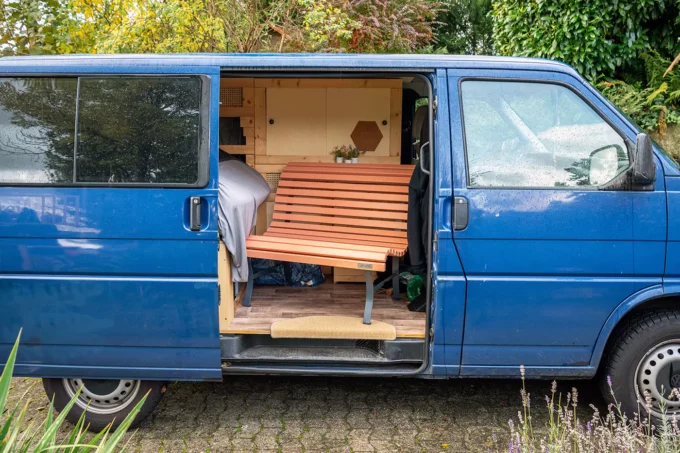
(359, 203)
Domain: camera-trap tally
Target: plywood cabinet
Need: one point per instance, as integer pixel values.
(296, 121)
(313, 121)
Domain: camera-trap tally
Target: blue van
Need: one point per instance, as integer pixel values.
(546, 217)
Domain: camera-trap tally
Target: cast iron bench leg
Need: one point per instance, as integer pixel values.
(249, 285)
(368, 308)
(395, 278)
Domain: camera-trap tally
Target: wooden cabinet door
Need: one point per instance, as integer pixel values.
(296, 122)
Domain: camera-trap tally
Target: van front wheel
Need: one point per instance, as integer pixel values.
(105, 401)
(643, 366)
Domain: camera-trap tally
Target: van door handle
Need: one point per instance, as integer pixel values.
(460, 213)
(422, 161)
(195, 213)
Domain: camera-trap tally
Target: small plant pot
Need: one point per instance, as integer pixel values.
(348, 161)
(355, 160)
(339, 160)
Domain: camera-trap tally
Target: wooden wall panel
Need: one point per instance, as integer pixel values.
(260, 122)
(347, 106)
(328, 83)
(226, 308)
(395, 121)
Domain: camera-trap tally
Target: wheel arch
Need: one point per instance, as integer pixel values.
(646, 300)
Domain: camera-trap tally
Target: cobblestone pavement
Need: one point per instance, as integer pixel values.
(295, 414)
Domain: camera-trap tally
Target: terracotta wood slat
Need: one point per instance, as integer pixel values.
(344, 216)
(320, 260)
(340, 229)
(387, 224)
(319, 243)
(338, 169)
(364, 205)
(366, 179)
(387, 198)
(315, 250)
(338, 237)
(376, 188)
(392, 249)
(339, 212)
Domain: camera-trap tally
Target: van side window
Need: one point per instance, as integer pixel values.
(530, 134)
(37, 125)
(138, 130)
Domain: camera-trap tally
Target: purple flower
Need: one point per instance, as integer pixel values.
(609, 380)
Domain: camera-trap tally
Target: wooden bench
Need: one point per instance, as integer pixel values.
(344, 215)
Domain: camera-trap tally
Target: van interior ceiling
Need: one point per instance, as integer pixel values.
(333, 270)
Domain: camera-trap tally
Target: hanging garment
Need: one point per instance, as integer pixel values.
(241, 191)
(418, 203)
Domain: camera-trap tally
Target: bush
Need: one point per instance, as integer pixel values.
(368, 26)
(651, 105)
(568, 432)
(16, 436)
(597, 37)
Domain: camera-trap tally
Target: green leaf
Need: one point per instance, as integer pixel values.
(662, 89)
(6, 377)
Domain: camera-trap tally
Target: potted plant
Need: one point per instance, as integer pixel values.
(340, 152)
(353, 154)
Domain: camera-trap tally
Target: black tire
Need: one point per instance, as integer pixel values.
(632, 357)
(57, 389)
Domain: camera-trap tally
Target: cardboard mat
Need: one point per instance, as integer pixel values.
(332, 327)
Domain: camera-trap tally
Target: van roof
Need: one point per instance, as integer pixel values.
(299, 61)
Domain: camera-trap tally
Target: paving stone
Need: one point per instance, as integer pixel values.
(322, 414)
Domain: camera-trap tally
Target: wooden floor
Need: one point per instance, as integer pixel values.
(272, 303)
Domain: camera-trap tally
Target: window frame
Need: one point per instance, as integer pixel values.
(203, 149)
(619, 183)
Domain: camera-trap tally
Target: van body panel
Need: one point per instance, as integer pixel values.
(539, 277)
(279, 62)
(673, 254)
(109, 281)
(640, 297)
(447, 273)
(546, 267)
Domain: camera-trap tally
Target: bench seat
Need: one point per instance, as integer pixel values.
(344, 215)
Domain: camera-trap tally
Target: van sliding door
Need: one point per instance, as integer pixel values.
(108, 229)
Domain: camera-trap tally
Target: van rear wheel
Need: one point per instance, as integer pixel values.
(644, 366)
(105, 401)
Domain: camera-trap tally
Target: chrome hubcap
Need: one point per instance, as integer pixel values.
(657, 375)
(102, 396)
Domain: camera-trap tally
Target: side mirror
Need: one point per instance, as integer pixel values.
(644, 169)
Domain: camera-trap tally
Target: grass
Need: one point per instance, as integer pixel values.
(17, 435)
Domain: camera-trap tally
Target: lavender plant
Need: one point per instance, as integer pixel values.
(569, 430)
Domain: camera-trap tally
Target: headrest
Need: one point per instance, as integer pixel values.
(419, 119)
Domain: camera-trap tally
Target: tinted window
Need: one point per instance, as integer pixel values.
(139, 130)
(37, 123)
(520, 134)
